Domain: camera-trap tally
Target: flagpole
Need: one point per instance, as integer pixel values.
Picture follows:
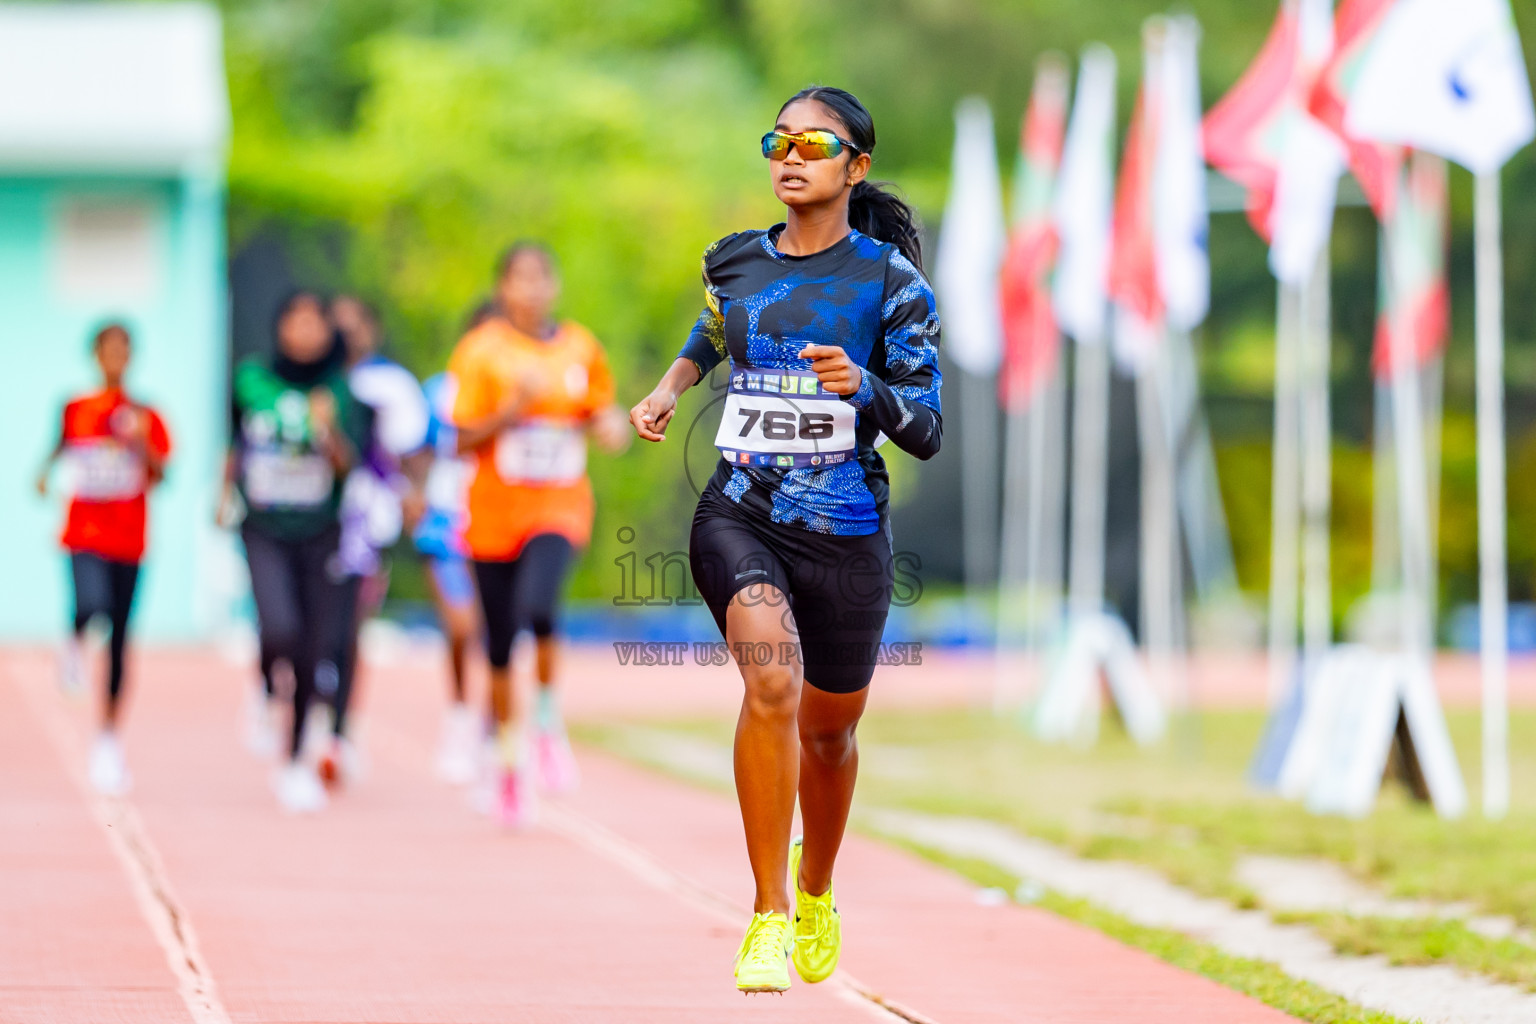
(1492, 604)
(1054, 490)
(1041, 555)
(1160, 594)
(1432, 377)
(1201, 512)
(1408, 438)
(1284, 506)
(1017, 583)
(1090, 429)
(978, 470)
(1316, 480)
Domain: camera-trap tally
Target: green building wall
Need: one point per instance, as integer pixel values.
(179, 366)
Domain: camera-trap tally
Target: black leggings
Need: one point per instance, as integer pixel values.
(105, 588)
(524, 592)
(344, 645)
(297, 604)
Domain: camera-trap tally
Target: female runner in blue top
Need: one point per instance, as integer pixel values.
(830, 330)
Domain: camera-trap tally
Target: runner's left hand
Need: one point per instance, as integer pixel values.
(837, 373)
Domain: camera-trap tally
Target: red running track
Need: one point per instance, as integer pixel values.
(197, 900)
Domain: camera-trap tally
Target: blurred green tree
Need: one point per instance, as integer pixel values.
(424, 135)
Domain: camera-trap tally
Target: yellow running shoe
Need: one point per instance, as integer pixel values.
(762, 962)
(818, 927)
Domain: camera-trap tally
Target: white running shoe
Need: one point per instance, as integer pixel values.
(317, 730)
(299, 790)
(108, 772)
(262, 714)
(459, 748)
(71, 666)
(483, 792)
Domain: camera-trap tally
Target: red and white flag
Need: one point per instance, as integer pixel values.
(1133, 281)
(1376, 165)
(1031, 340)
(1262, 136)
(1181, 214)
(1084, 202)
(1415, 294)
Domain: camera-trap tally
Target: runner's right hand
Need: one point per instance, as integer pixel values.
(651, 416)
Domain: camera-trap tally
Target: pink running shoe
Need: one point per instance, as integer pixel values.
(516, 804)
(557, 763)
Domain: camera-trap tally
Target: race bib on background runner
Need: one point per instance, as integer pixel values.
(542, 453)
(102, 469)
(448, 484)
(287, 479)
(784, 419)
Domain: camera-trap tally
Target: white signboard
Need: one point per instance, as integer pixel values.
(1069, 706)
(1349, 725)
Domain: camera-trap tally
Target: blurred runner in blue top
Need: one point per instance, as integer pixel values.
(440, 541)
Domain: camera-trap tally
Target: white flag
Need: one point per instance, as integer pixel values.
(1312, 158)
(1446, 76)
(1085, 202)
(1180, 219)
(1306, 191)
(972, 242)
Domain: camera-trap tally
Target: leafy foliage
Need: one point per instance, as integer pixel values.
(399, 144)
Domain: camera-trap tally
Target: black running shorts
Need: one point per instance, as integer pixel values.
(839, 587)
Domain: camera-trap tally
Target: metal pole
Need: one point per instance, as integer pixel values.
(1492, 604)
(979, 480)
(1412, 496)
(1201, 511)
(1432, 378)
(1160, 595)
(1016, 581)
(1090, 429)
(1284, 504)
(1317, 620)
(1384, 554)
(1054, 487)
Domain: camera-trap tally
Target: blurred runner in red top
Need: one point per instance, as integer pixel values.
(115, 450)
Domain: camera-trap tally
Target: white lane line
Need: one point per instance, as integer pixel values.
(598, 839)
(138, 857)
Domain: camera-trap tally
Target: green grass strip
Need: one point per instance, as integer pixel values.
(1257, 978)
(1420, 941)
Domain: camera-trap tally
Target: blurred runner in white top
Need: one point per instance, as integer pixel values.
(384, 495)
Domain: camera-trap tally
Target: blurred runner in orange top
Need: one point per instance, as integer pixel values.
(116, 450)
(530, 391)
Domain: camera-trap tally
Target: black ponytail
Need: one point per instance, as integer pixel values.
(872, 210)
(884, 215)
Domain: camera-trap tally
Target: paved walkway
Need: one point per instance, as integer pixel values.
(197, 900)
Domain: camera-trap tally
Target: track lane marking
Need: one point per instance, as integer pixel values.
(136, 854)
(598, 839)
